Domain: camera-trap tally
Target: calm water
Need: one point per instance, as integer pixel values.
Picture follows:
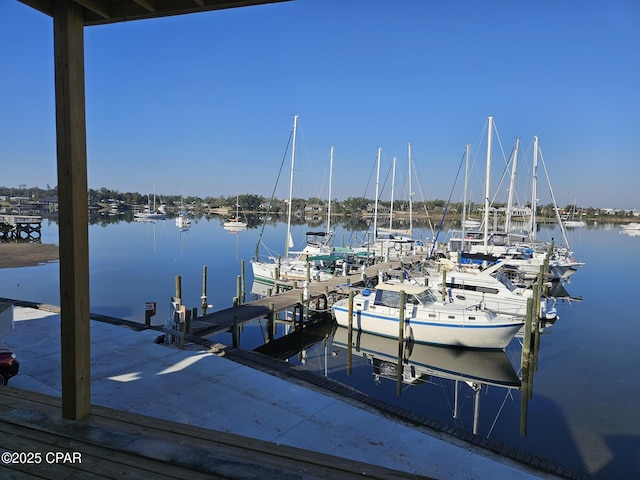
(585, 411)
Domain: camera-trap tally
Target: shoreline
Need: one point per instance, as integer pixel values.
(17, 255)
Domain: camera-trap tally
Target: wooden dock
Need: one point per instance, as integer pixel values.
(116, 444)
(225, 320)
(25, 228)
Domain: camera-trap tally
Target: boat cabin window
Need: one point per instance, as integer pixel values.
(472, 288)
(498, 239)
(387, 298)
(390, 298)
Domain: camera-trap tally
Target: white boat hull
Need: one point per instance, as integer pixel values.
(473, 329)
(265, 272)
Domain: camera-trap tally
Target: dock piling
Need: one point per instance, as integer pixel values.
(400, 344)
(204, 304)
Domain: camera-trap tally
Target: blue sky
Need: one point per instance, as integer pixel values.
(203, 104)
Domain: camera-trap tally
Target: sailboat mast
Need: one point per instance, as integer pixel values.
(534, 187)
(410, 192)
(393, 184)
(330, 193)
(512, 184)
(293, 162)
(375, 210)
(487, 186)
(467, 151)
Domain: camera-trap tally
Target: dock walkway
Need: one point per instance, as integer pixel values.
(224, 320)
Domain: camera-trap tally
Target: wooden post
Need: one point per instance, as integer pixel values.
(239, 289)
(444, 284)
(526, 343)
(244, 288)
(271, 322)
(399, 369)
(183, 324)
(204, 304)
(524, 399)
(73, 213)
(179, 287)
(235, 333)
(187, 321)
(350, 333)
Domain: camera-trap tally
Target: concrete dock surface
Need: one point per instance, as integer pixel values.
(132, 373)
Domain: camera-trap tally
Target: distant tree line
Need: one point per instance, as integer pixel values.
(258, 203)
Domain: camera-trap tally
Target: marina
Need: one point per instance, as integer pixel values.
(131, 344)
(561, 426)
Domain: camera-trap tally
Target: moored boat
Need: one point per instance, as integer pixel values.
(426, 320)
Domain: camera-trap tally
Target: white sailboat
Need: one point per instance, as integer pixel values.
(150, 213)
(426, 319)
(235, 224)
(570, 220)
(390, 242)
(294, 266)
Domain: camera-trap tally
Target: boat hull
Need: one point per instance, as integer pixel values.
(473, 332)
(266, 272)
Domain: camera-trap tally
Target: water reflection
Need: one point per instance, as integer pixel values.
(421, 362)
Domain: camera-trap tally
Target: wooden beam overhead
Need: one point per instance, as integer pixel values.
(99, 7)
(100, 12)
(149, 5)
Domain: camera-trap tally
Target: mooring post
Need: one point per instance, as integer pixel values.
(524, 401)
(239, 289)
(444, 284)
(301, 305)
(526, 344)
(350, 333)
(203, 297)
(400, 344)
(179, 287)
(244, 289)
(235, 333)
(187, 321)
(278, 268)
(271, 321)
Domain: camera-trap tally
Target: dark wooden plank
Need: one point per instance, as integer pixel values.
(113, 438)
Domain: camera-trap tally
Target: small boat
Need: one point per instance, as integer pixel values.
(427, 320)
(150, 213)
(183, 222)
(471, 223)
(235, 224)
(631, 229)
(492, 287)
(569, 219)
